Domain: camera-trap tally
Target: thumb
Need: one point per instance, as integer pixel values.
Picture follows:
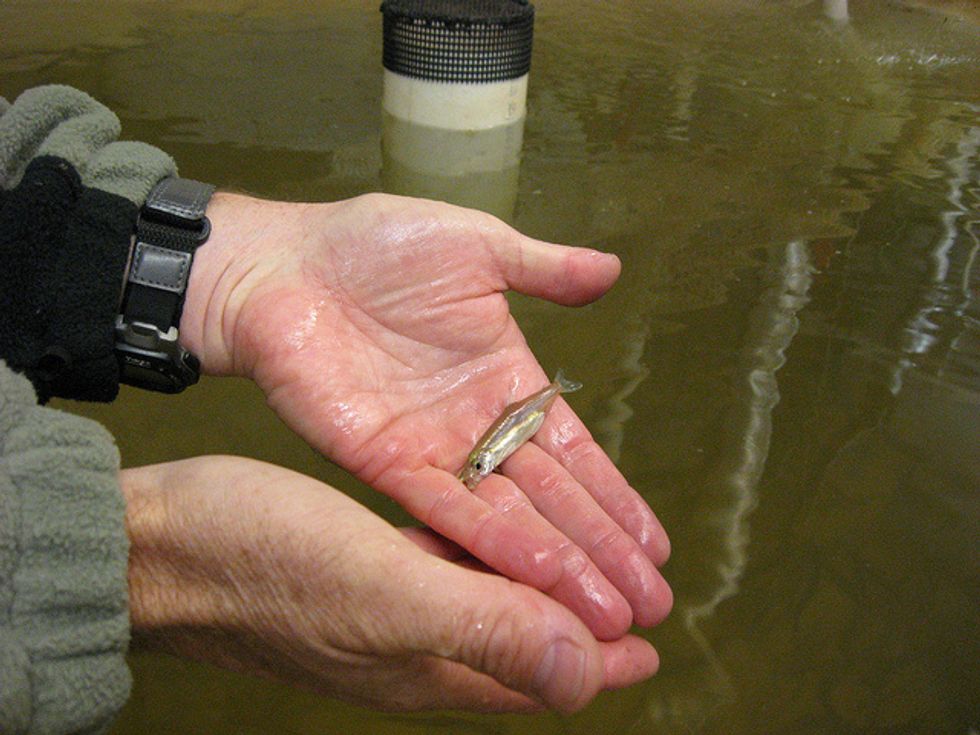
(566, 275)
(515, 634)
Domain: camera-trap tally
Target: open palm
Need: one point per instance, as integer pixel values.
(379, 331)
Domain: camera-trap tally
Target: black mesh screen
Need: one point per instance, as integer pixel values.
(458, 40)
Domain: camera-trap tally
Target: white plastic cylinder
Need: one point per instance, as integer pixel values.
(455, 99)
(455, 105)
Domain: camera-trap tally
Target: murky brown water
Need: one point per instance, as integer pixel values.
(789, 370)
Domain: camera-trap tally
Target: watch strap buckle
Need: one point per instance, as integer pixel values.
(151, 358)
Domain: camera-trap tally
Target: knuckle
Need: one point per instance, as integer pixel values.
(371, 201)
(442, 505)
(554, 486)
(582, 451)
(448, 505)
(636, 517)
(504, 498)
(575, 562)
(498, 642)
(613, 544)
(627, 504)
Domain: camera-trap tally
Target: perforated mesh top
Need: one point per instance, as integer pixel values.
(458, 40)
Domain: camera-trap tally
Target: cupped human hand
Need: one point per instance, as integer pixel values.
(379, 331)
(263, 570)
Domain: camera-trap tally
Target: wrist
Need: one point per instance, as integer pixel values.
(219, 282)
(154, 579)
(251, 241)
(217, 586)
(179, 550)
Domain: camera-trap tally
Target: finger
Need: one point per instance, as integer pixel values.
(565, 438)
(526, 641)
(432, 543)
(628, 661)
(582, 588)
(441, 501)
(429, 682)
(565, 275)
(529, 552)
(459, 687)
(560, 499)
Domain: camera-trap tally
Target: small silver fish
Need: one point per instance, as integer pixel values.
(518, 423)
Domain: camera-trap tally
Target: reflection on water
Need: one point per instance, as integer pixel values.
(947, 287)
(609, 428)
(772, 325)
(793, 189)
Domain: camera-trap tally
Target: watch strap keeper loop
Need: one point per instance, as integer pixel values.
(160, 267)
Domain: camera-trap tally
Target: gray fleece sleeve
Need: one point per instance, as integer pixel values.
(64, 122)
(64, 622)
(64, 625)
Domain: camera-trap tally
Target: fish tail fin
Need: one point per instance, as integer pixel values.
(564, 384)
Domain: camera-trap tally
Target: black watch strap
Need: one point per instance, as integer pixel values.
(170, 227)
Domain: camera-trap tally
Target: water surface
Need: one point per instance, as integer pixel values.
(789, 370)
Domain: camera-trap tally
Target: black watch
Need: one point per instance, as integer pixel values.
(170, 227)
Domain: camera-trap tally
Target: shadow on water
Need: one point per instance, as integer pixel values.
(789, 370)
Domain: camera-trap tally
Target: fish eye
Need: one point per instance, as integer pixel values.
(478, 465)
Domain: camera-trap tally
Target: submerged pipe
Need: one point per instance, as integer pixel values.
(836, 10)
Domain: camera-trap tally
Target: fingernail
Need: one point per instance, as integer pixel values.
(560, 676)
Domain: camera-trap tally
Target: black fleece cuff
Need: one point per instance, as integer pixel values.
(63, 249)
